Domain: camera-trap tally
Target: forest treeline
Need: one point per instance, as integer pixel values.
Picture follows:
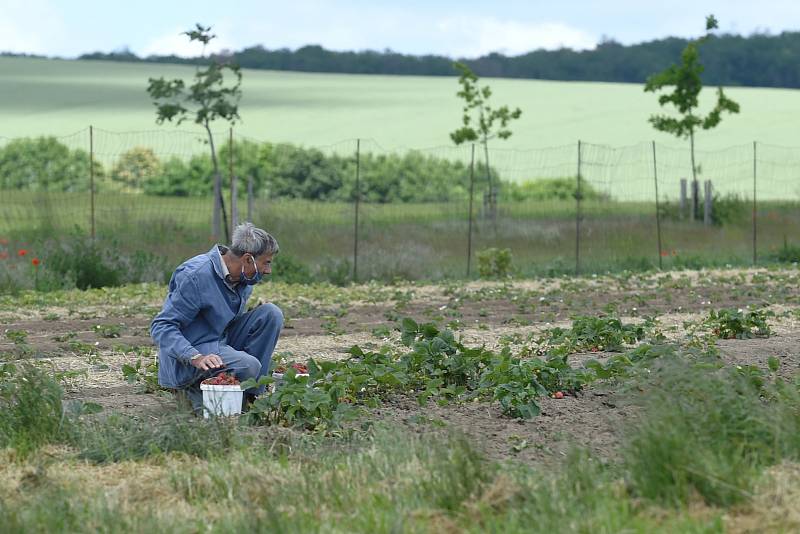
(758, 60)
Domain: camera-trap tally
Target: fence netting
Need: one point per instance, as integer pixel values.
(354, 209)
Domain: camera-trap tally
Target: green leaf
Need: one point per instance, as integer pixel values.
(773, 363)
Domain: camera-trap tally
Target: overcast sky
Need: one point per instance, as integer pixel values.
(458, 28)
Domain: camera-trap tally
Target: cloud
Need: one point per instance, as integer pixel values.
(471, 36)
(29, 27)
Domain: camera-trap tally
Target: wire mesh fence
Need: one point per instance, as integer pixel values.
(355, 210)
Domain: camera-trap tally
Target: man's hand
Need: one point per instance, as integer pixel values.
(208, 362)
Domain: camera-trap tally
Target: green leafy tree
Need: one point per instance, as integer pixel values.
(480, 121)
(207, 99)
(135, 167)
(178, 178)
(685, 78)
(45, 164)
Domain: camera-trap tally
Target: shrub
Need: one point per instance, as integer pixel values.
(494, 263)
(729, 209)
(337, 271)
(182, 179)
(286, 268)
(545, 189)
(44, 164)
(134, 167)
(101, 263)
(787, 254)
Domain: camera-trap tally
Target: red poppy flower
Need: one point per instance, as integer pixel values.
(22, 252)
(35, 262)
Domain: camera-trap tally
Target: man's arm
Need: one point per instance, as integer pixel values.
(180, 308)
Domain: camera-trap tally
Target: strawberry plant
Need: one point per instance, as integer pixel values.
(108, 330)
(440, 367)
(738, 324)
(146, 375)
(592, 334)
(19, 337)
(298, 403)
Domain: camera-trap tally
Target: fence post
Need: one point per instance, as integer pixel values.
(469, 221)
(250, 198)
(91, 178)
(695, 200)
(578, 215)
(755, 249)
(234, 202)
(658, 208)
(358, 201)
(215, 219)
(707, 203)
(234, 191)
(683, 198)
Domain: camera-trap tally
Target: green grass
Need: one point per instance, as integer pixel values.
(56, 97)
(701, 447)
(414, 241)
(710, 433)
(31, 409)
(384, 480)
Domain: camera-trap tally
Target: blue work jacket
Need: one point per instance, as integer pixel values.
(197, 311)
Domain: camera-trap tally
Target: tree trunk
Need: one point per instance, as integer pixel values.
(695, 185)
(219, 201)
(492, 193)
(694, 167)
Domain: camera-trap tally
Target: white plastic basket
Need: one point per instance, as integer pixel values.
(221, 400)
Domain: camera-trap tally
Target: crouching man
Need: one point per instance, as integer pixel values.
(203, 329)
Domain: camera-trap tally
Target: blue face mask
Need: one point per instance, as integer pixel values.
(255, 279)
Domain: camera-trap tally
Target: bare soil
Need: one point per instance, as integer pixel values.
(594, 419)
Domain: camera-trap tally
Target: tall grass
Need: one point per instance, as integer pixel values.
(413, 241)
(117, 438)
(387, 480)
(31, 409)
(711, 433)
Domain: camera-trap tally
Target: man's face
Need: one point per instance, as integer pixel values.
(263, 263)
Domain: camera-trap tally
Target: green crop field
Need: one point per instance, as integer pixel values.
(58, 97)
(422, 400)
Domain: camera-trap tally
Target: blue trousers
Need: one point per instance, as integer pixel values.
(246, 349)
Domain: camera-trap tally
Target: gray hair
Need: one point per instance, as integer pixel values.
(247, 239)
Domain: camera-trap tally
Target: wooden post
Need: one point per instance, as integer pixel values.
(250, 198)
(578, 215)
(91, 179)
(658, 210)
(471, 194)
(695, 200)
(683, 198)
(707, 203)
(358, 201)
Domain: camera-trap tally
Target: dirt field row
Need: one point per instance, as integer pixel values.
(95, 334)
